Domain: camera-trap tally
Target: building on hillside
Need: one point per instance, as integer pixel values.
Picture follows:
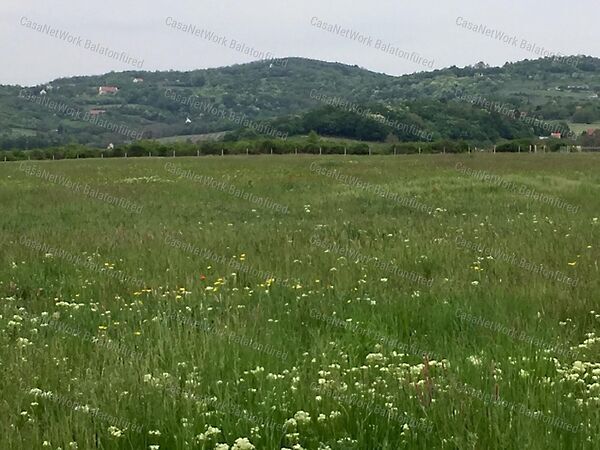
(138, 80)
(102, 90)
(43, 92)
(556, 135)
(97, 112)
(188, 120)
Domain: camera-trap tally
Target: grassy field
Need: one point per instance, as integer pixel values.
(301, 302)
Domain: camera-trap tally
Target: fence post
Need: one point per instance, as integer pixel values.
(222, 152)
(296, 150)
(320, 151)
(246, 151)
(519, 149)
(271, 151)
(197, 152)
(173, 153)
(369, 150)
(125, 154)
(419, 150)
(394, 150)
(345, 151)
(101, 155)
(494, 149)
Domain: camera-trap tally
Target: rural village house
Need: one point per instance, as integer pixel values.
(107, 90)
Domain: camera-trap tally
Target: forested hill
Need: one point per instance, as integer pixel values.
(292, 95)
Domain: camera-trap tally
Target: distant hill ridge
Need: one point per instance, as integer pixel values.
(558, 92)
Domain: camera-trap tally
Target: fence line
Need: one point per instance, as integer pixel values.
(533, 149)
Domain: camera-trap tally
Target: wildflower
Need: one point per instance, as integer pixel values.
(302, 417)
(222, 447)
(114, 431)
(242, 444)
(475, 360)
(255, 432)
(290, 423)
(374, 358)
(212, 431)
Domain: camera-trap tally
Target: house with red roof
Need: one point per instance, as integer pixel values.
(102, 90)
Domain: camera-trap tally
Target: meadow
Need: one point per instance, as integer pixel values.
(301, 302)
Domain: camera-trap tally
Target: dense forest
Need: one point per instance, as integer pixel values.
(477, 104)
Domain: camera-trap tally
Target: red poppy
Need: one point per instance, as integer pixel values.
(202, 278)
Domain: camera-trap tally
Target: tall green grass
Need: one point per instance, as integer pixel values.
(204, 308)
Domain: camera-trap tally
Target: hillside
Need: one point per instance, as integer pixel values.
(292, 98)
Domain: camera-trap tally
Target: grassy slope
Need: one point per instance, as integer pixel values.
(261, 92)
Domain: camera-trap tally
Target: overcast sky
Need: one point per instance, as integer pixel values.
(433, 30)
